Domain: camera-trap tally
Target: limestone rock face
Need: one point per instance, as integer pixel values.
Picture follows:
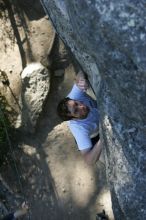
(108, 38)
(35, 88)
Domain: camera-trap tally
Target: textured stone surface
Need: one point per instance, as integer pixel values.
(108, 38)
(35, 88)
(26, 36)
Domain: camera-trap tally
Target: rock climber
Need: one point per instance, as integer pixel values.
(81, 112)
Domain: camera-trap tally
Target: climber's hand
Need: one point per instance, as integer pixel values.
(82, 81)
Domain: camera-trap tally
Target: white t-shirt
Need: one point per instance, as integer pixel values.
(82, 129)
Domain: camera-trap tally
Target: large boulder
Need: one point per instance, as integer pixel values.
(26, 36)
(35, 89)
(108, 38)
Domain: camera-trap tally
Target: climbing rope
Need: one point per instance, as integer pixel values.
(13, 156)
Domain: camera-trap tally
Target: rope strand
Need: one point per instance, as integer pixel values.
(13, 155)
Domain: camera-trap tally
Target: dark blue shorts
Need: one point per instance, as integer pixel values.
(94, 140)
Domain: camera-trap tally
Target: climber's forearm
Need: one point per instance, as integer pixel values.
(93, 155)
